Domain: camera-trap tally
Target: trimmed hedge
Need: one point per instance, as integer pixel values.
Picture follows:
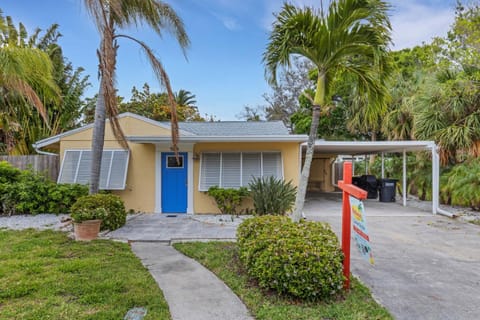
(114, 215)
(302, 260)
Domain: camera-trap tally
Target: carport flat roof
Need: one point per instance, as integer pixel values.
(369, 147)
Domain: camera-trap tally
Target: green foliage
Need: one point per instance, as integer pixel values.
(84, 214)
(302, 260)
(272, 196)
(108, 207)
(8, 173)
(228, 200)
(54, 78)
(461, 184)
(27, 192)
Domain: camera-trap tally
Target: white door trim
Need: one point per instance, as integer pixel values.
(183, 147)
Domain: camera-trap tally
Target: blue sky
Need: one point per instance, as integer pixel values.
(224, 68)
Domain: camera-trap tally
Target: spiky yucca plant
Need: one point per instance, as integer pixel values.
(272, 196)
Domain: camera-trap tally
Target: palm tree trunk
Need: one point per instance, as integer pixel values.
(303, 183)
(318, 101)
(98, 140)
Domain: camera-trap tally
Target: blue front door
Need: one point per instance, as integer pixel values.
(174, 182)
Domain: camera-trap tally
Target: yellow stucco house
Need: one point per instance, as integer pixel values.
(150, 179)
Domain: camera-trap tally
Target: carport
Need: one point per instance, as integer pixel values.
(332, 149)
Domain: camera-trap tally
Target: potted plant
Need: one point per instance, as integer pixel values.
(86, 223)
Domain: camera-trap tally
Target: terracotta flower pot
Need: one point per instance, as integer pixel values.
(86, 230)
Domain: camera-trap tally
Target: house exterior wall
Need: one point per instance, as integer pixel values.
(204, 204)
(142, 188)
(139, 193)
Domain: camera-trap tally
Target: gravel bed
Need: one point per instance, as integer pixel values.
(59, 222)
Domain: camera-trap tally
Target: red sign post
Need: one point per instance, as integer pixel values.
(348, 190)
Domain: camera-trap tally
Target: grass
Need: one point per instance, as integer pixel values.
(45, 275)
(222, 259)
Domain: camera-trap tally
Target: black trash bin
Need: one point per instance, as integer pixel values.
(367, 183)
(387, 188)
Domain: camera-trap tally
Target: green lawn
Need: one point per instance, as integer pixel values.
(222, 259)
(45, 275)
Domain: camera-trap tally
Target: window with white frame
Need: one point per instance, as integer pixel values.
(237, 169)
(76, 167)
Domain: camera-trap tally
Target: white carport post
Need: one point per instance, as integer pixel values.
(435, 179)
(404, 178)
(383, 166)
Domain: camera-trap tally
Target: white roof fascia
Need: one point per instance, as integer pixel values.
(351, 147)
(50, 140)
(265, 138)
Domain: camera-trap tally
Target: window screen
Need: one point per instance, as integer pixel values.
(76, 167)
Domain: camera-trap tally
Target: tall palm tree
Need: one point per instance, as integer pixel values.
(351, 39)
(110, 15)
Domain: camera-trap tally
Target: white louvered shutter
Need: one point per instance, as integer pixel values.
(251, 167)
(272, 165)
(210, 171)
(69, 167)
(118, 170)
(230, 170)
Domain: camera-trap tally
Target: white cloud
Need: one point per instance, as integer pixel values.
(415, 23)
(228, 22)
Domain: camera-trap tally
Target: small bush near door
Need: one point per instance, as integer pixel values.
(272, 196)
(302, 260)
(228, 200)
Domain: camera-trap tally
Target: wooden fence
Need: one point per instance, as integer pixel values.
(48, 164)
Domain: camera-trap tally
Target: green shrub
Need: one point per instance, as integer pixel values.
(253, 236)
(8, 173)
(302, 260)
(84, 214)
(228, 200)
(114, 215)
(461, 184)
(272, 196)
(33, 193)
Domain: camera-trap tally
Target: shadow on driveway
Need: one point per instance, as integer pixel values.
(426, 266)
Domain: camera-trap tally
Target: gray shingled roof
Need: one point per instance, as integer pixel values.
(235, 128)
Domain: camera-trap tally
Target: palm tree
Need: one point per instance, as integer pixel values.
(20, 126)
(110, 15)
(351, 39)
(185, 98)
(26, 79)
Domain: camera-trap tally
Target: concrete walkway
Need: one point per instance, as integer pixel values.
(192, 292)
(426, 266)
(160, 227)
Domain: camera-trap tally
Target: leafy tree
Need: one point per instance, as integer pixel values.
(351, 38)
(24, 125)
(155, 105)
(26, 80)
(283, 101)
(110, 16)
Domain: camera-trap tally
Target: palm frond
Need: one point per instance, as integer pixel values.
(162, 76)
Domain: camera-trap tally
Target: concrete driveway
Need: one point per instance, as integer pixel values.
(426, 266)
